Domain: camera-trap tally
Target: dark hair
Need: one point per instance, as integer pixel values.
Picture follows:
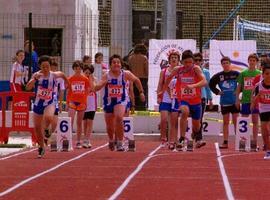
(19, 51)
(196, 55)
(263, 55)
(253, 55)
(125, 66)
(174, 53)
(77, 63)
(225, 58)
(44, 59)
(86, 57)
(115, 56)
(187, 54)
(89, 67)
(265, 64)
(54, 63)
(140, 48)
(98, 54)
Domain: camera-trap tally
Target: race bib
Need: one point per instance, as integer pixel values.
(78, 87)
(44, 93)
(248, 83)
(115, 90)
(188, 93)
(265, 97)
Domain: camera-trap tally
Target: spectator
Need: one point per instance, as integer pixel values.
(139, 67)
(34, 57)
(17, 72)
(87, 60)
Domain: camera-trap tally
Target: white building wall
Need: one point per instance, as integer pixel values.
(73, 16)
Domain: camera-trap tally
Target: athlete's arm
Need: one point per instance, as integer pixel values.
(202, 81)
(60, 74)
(31, 84)
(131, 94)
(255, 97)
(168, 80)
(101, 83)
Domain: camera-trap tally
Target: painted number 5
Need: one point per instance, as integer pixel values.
(243, 126)
(127, 126)
(64, 126)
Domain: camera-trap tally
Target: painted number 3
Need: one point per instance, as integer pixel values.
(243, 127)
(64, 126)
(127, 126)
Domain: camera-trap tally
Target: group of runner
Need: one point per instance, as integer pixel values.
(183, 90)
(179, 94)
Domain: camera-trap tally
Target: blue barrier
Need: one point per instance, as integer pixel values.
(4, 87)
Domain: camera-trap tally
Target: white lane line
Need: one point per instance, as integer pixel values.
(133, 174)
(48, 171)
(17, 154)
(224, 175)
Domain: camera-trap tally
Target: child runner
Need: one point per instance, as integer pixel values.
(245, 85)
(262, 95)
(164, 100)
(227, 83)
(115, 99)
(44, 82)
(78, 91)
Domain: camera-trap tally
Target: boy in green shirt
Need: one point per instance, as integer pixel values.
(245, 85)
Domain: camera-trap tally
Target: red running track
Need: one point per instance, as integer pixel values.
(165, 175)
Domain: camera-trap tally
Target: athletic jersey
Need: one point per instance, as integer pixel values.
(45, 91)
(205, 91)
(60, 85)
(257, 79)
(91, 102)
(166, 96)
(227, 83)
(188, 77)
(246, 78)
(115, 90)
(16, 67)
(264, 99)
(79, 89)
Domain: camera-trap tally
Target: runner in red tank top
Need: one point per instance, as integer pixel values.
(188, 87)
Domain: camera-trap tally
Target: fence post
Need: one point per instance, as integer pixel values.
(30, 45)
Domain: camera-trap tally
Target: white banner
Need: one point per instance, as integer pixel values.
(237, 51)
(158, 50)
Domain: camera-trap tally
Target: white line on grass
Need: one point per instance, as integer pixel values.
(17, 154)
(133, 174)
(224, 175)
(48, 171)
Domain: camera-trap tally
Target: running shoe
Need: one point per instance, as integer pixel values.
(171, 146)
(131, 145)
(119, 146)
(86, 144)
(111, 145)
(78, 145)
(267, 156)
(47, 135)
(200, 143)
(224, 146)
(164, 143)
(41, 152)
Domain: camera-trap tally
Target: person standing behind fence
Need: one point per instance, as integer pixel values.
(227, 83)
(44, 82)
(87, 60)
(139, 67)
(115, 99)
(78, 91)
(34, 57)
(17, 73)
(205, 91)
(245, 85)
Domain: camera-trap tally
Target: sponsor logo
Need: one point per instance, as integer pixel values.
(21, 104)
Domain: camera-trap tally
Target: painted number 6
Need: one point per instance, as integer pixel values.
(64, 126)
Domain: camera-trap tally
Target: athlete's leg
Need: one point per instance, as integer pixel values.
(173, 126)
(183, 120)
(79, 121)
(119, 112)
(164, 115)
(38, 127)
(255, 121)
